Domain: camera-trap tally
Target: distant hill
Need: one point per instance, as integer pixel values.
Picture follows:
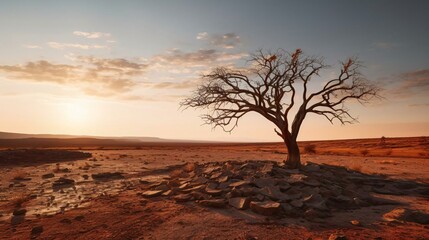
(9, 135)
(8, 139)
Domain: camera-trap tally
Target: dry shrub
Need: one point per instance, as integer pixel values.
(364, 152)
(389, 152)
(189, 167)
(176, 173)
(310, 149)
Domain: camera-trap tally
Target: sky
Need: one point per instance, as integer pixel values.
(121, 68)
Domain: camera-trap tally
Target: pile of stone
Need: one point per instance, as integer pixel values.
(268, 188)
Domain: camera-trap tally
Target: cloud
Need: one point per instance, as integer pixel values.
(384, 45)
(91, 35)
(187, 84)
(94, 76)
(411, 83)
(228, 40)
(58, 45)
(419, 105)
(196, 59)
(31, 46)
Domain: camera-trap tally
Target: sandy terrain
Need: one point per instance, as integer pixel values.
(112, 206)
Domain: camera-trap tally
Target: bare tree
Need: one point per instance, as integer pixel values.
(276, 85)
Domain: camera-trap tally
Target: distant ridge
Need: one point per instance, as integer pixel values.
(22, 139)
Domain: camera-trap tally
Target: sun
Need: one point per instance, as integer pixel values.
(76, 111)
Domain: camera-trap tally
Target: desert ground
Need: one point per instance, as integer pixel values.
(150, 191)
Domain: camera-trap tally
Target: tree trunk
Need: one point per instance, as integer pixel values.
(293, 160)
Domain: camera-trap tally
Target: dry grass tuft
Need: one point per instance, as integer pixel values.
(364, 152)
(310, 149)
(189, 167)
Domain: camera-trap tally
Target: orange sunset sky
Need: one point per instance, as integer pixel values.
(120, 68)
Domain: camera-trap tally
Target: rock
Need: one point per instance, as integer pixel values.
(18, 212)
(37, 230)
(184, 186)
(240, 183)
(79, 218)
(264, 182)
(297, 203)
(267, 168)
(223, 179)
(311, 182)
(182, 197)
(312, 213)
(267, 208)
(213, 192)
(287, 208)
(48, 175)
(293, 193)
(167, 193)
(62, 183)
(311, 167)
(284, 186)
(215, 203)
(296, 178)
(209, 170)
(316, 201)
(274, 193)
(201, 180)
(239, 202)
(355, 222)
(215, 175)
(336, 236)
(193, 189)
(406, 215)
(152, 193)
(162, 187)
(200, 196)
(85, 176)
(17, 219)
(107, 176)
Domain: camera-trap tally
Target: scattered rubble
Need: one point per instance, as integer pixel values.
(107, 176)
(268, 188)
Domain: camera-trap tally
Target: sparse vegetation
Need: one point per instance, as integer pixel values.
(310, 148)
(364, 152)
(383, 141)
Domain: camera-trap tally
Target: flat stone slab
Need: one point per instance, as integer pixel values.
(239, 202)
(267, 208)
(152, 193)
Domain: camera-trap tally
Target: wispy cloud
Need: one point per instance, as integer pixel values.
(384, 45)
(31, 46)
(91, 35)
(228, 40)
(419, 105)
(176, 59)
(58, 45)
(94, 76)
(186, 84)
(411, 83)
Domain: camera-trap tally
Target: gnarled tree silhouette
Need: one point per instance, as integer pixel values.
(276, 85)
